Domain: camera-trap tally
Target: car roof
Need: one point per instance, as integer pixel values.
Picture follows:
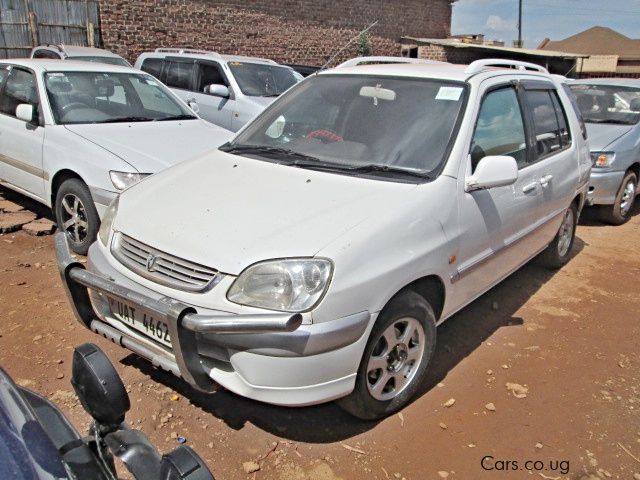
(76, 50)
(205, 55)
(50, 65)
(441, 71)
(626, 82)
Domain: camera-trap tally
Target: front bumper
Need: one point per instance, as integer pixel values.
(267, 357)
(603, 187)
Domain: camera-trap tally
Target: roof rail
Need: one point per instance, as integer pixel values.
(382, 60)
(241, 58)
(181, 51)
(483, 64)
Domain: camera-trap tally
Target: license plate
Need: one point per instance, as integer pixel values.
(135, 317)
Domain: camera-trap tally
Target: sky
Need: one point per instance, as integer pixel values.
(556, 19)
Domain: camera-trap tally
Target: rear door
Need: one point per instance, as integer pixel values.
(21, 142)
(554, 155)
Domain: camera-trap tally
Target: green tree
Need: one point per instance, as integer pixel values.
(364, 46)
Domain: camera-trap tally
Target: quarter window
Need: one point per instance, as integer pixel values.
(179, 75)
(546, 125)
(20, 88)
(500, 129)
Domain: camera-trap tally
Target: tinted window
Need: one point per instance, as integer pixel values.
(209, 75)
(576, 108)
(500, 129)
(152, 66)
(4, 73)
(46, 54)
(565, 134)
(179, 75)
(545, 122)
(20, 88)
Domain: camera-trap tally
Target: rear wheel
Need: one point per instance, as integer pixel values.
(620, 211)
(395, 360)
(558, 252)
(76, 215)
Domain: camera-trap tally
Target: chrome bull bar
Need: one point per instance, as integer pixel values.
(182, 320)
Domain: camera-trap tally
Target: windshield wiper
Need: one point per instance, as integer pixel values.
(184, 116)
(372, 167)
(127, 119)
(277, 152)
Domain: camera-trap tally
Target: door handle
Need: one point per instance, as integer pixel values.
(529, 188)
(544, 181)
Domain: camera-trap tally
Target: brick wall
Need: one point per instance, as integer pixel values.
(292, 31)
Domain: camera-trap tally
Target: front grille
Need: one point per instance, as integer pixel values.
(161, 267)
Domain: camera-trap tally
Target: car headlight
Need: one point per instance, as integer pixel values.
(107, 220)
(602, 159)
(290, 285)
(123, 180)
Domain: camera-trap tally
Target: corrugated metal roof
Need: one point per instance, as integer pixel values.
(520, 51)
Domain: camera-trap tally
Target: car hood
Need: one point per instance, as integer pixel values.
(153, 146)
(601, 135)
(228, 212)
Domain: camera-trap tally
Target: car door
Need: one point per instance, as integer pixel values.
(494, 223)
(217, 110)
(21, 142)
(179, 75)
(554, 156)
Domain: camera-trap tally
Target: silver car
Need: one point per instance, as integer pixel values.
(227, 90)
(611, 110)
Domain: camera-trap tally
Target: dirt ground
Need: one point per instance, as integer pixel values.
(566, 342)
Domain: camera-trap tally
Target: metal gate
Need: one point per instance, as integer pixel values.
(27, 23)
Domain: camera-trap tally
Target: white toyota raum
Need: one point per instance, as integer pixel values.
(312, 257)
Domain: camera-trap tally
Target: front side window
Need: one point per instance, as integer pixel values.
(97, 97)
(263, 80)
(359, 124)
(179, 75)
(99, 59)
(499, 128)
(613, 104)
(209, 75)
(20, 87)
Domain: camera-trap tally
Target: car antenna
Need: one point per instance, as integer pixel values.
(347, 44)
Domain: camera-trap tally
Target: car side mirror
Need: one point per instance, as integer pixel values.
(217, 90)
(493, 171)
(98, 386)
(25, 112)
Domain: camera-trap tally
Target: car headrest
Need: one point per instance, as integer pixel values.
(105, 87)
(635, 105)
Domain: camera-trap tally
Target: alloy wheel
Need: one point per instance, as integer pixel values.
(74, 218)
(395, 359)
(565, 233)
(628, 196)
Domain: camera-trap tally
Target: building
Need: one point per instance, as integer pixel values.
(304, 32)
(609, 53)
(465, 51)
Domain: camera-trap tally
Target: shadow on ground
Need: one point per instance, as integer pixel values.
(458, 338)
(27, 203)
(590, 216)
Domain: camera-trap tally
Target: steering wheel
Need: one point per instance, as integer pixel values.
(71, 106)
(327, 136)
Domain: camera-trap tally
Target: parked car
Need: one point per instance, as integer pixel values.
(354, 62)
(312, 257)
(228, 90)
(73, 52)
(611, 109)
(37, 442)
(75, 134)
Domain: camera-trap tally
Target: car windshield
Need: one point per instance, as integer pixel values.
(615, 104)
(97, 97)
(100, 59)
(263, 80)
(359, 125)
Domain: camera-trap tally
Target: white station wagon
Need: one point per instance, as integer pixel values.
(313, 256)
(75, 134)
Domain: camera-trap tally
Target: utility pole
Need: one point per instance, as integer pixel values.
(519, 23)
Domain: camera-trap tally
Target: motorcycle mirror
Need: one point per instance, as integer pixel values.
(184, 464)
(98, 385)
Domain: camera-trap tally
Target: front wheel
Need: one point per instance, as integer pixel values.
(558, 252)
(620, 211)
(395, 360)
(77, 215)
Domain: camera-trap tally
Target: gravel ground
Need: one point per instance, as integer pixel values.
(545, 367)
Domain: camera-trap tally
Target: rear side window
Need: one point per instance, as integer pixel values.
(549, 124)
(576, 108)
(499, 128)
(152, 66)
(20, 88)
(46, 54)
(179, 75)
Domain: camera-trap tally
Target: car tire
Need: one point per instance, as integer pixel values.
(620, 211)
(409, 322)
(558, 253)
(76, 215)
